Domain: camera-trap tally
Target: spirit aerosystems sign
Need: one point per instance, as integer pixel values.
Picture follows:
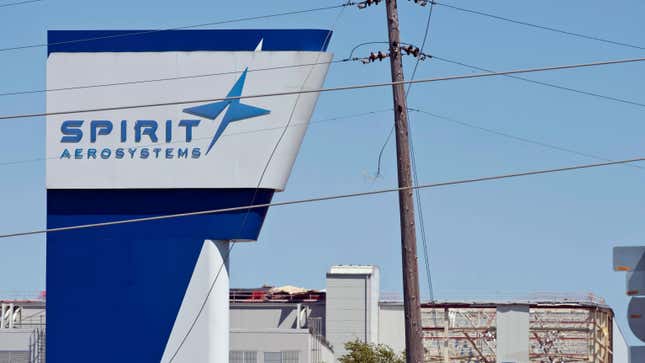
(152, 130)
(224, 144)
(122, 162)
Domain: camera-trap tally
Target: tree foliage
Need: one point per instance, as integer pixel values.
(360, 352)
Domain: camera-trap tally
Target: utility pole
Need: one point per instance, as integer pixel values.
(412, 305)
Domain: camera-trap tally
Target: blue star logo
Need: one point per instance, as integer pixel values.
(236, 111)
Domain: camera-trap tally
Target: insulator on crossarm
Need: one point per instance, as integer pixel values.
(374, 56)
(421, 2)
(366, 3)
(411, 50)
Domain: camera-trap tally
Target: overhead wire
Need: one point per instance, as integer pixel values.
(517, 138)
(328, 197)
(164, 79)
(220, 22)
(17, 3)
(552, 85)
(537, 26)
(160, 143)
(374, 112)
(135, 33)
(415, 176)
(416, 187)
(413, 159)
(417, 197)
(335, 61)
(333, 89)
(367, 113)
(253, 199)
(542, 83)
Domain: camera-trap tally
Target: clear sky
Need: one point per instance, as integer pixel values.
(550, 233)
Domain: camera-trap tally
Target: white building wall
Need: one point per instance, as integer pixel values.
(373, 304)
(513, 334)
(620, 348)
(273, 315)
(15, 339)
(273, 341)
(391, 330)
(352, 306)
(204, 340)
(14, 345)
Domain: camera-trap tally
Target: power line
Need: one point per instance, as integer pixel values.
(415, 176)
(320, 121)
(248, 211)
(325, 198)
(517, 138)
(367, 113)
(414, 350)
(203, 75)
(19, 3)
(334, 89)
(229, 21)
(143, 81)
(547, 84)
(543, 27)
(552, 85)
(351, 53)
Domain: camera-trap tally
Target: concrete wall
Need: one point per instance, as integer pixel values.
(391, 330)
(15, 339)
(14, 345)
(352, 305)
(272, 327)
(309, 349)
(374, 297)
(513, 334)
(273, 315)
(326, 356)
(620, 348)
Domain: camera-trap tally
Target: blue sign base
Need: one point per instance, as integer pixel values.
(113, 292)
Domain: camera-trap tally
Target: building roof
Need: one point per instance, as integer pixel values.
(353, 269)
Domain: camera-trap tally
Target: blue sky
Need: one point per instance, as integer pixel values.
(544, 233)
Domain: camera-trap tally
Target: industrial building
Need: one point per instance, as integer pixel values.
(22, 330)
(294, 325)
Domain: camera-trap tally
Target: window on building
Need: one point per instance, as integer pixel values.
(238, 356)
(14, 356)
(282, 357)
(272, 357)
(291, 357)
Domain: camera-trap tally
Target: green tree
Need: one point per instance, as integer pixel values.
(360, 352)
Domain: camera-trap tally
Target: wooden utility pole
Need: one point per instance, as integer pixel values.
(411, 303)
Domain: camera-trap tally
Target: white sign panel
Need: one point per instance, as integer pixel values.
(196, 145)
